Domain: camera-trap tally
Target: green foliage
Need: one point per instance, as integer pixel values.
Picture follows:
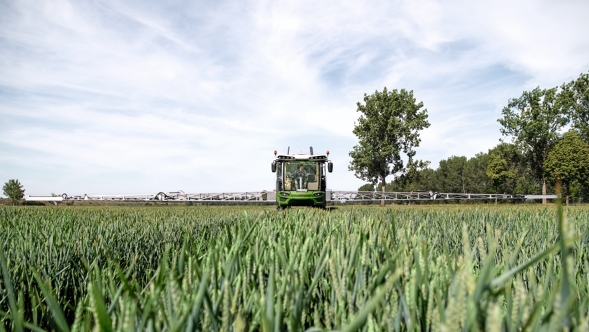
(518, 177)
(413, 179)
(576, 98)
(250, 269)
(568, 161)
(456, 174)
(501, 170)
(534, 121)
(366, 187)
(451, 174)
(498, 172)
(475, 173)
(505, 167)
(388, 128)
(13, 189)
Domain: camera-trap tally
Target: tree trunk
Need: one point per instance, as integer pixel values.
(543, 190)
(383, 191)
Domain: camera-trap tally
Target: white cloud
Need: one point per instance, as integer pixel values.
(126, 97)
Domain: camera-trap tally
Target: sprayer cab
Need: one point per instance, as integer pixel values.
(301, 179)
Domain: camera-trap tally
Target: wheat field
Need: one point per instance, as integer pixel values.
(422, 268)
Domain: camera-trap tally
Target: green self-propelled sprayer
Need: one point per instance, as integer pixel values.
(300, 179)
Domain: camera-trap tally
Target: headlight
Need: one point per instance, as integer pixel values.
(318, 194)
(284, 193)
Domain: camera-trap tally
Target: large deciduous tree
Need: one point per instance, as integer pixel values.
(387, 129)
(568, 162)
(576, 98)
(13, 189)
(534, 121)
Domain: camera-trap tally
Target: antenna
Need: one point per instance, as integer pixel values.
(311, 148)
(288, 151)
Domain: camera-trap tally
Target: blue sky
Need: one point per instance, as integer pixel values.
(137, 97)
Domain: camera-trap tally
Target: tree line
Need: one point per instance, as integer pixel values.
(545, 143)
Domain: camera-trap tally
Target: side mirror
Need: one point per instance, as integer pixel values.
(273, 167)
(330, 167)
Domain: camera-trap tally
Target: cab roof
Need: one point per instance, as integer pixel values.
(301, 157)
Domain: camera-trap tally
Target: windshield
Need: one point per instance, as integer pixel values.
(301, 175)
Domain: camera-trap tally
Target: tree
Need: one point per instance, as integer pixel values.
(451, 175)
(388, 126)
(366, 187)
(499, 173)
(13, 189)
(568, 162)
(417, 177)
(517, 177)
(576, 98)
(413, 177)
(534, 121)
(475, 173)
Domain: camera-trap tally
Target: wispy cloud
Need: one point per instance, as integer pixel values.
(111, 97)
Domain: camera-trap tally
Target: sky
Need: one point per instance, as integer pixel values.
(138, 97)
